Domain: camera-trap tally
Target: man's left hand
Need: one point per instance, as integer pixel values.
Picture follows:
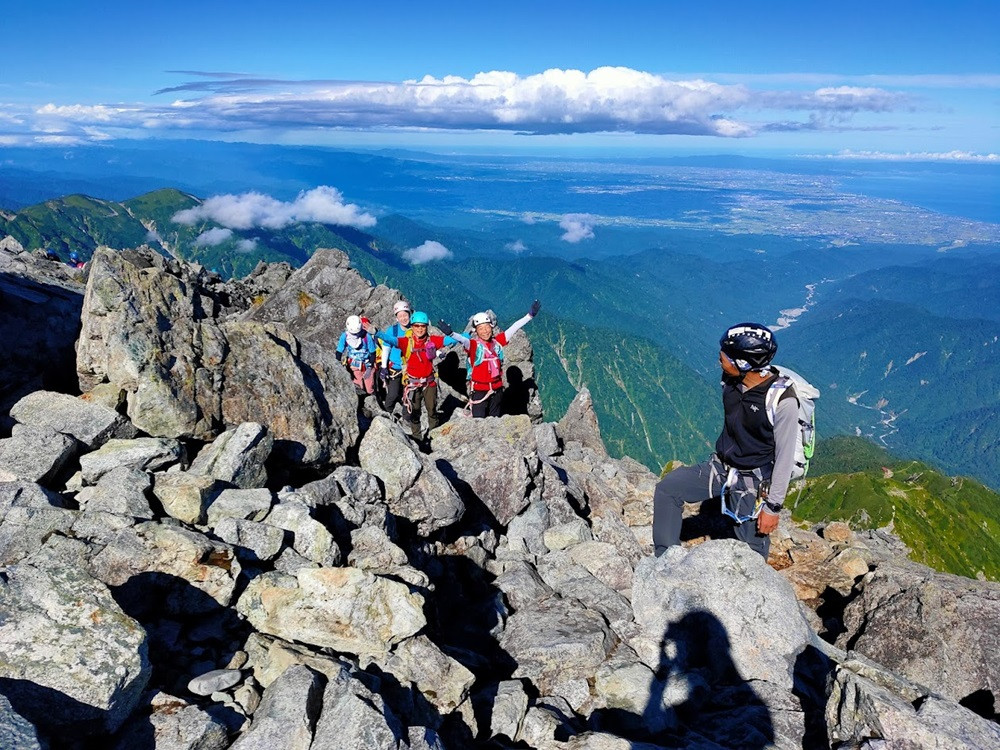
(767, 522)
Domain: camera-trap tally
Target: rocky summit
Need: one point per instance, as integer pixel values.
(206, 542)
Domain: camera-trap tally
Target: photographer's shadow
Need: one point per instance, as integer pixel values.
(697, 696)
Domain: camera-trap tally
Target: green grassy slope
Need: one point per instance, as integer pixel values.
(951, 524)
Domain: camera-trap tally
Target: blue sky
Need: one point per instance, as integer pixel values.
(877, 78)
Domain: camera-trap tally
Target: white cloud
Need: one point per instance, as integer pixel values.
(246, 246)
(528, 218)
(213, 237)
(577, 227)
(516, 247)
(946, 156)
(248, 210)
(603, 100)
(153, 236)
(427, 252)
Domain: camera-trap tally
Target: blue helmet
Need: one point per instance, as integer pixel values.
(74, 255)
(419, 318)
(750, 346)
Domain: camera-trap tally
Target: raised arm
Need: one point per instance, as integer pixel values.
(522, 322)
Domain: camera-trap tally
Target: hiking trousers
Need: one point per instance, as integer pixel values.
(393, 391)
(690, 484)
(428, 395)
(491, 406)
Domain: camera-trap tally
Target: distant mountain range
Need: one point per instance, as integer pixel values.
(898, 338)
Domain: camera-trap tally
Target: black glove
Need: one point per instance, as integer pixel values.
(340, 356)
(446, 329)
(535, 307)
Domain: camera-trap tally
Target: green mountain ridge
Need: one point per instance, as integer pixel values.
(951, 524)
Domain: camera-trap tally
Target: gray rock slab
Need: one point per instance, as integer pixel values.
(345, 609)
(144, 454)
(249, 505)
(168, 569)
(547, 440)
(431, 502)
(186, 496)
(571, 580)
(933, 628)
(25, 529)
(288, 712)
(237, 456)
(509, 708)
(121, 491)
(90, 423)
(173, 724)
(254, 542)
(495, 458)
(371, 549)
(388, 454)
(35, 454)
(556, 640)
(310, 538)
(27, 495)
(355, 718)
(444, 682)
(16, 732)
(269, 658)
(71, 657)
(521, 585)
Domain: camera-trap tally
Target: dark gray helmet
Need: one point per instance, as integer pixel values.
(750, 346)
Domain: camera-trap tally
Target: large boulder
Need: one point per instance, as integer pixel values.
(89, 423)
(345, 609)
(355, 718)
(870, 707)
(288, 712)
(35, 454)
(196, 376)
(166, 569)
(733, 584)
(72, 659)
(237, 456)
(936, 629)
(415, 489)
(444, 682)
(317, 298)
(494, 458)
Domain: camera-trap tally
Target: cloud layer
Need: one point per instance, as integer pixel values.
(427, 252)
(606, 99)
(323, 204)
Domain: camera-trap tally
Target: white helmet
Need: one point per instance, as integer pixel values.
(480, 318)
(354, 325)
(401, 306)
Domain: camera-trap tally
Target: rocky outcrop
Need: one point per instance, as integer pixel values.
(938, 630)
(240, 561)
(151, 328)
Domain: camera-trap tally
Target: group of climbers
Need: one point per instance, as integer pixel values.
(408, 355)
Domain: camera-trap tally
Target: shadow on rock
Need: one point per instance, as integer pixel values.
(696, 695)
(190, 633)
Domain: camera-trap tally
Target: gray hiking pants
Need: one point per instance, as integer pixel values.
(689, 484)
